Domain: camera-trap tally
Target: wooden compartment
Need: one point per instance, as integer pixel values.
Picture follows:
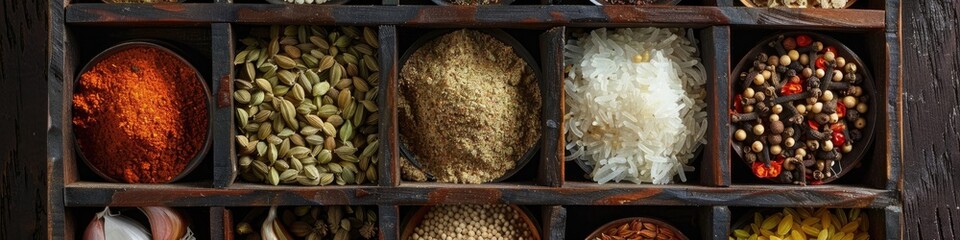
(227, 45)
(84, 42)
(693, 222)
(860, 4)
(875, 167)
(228, 218)
(882, 220)
(549, 219)
(711, 169)
(77, 219)
(542, 168)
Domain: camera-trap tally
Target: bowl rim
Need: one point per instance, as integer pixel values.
(599, 230)
(663, 3)
(165, 47)
(331, 2)
(446, 3)
(860, 148)
(417, 217)
(518, 48)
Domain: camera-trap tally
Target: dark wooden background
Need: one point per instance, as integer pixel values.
(931, 104)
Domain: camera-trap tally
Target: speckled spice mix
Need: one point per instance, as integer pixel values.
(466, 109)
(140, 115)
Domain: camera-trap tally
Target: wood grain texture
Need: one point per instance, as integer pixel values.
(577, 193)
(716, 222)
(931, 106)
(389, 217)
(389, 165)
(224, 160)
(550, 172)
(715, 50)
(488, 16)
(554, 222)
(24, 34)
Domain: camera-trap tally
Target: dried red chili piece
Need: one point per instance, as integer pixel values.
(838, 139)
(830, 49)
(821, 63)
(791, 88)
(763, 171)
(804, 40)
(813, 125)
(841, 109)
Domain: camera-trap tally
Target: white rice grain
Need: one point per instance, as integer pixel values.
(636, 122)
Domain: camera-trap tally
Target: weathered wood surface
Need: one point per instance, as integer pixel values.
(526, 16)
(573, 193)
(931, 106)
(23, 119)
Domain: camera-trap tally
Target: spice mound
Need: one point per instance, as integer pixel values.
(140, 115)
(635, 103)
(804, 223)
(798, 111)
(306, 105)
(638, 228)
(466, 110)
(473, 222)
(836, 4)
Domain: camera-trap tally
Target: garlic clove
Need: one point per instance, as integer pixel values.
(167, 224)
(116, 226)
(272, 229)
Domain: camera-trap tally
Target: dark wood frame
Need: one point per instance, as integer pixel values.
(711, 197)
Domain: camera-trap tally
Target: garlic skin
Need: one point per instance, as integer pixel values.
(167, 224)
(108, 225)
(94, 230)
(272, 229)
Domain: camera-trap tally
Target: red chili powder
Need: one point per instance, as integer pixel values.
(140, 115)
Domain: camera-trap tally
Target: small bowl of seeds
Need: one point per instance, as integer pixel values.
(468, 107)
(637, 228)
(803, 109)
(496, 221)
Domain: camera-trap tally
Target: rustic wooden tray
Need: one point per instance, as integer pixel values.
(567, 204)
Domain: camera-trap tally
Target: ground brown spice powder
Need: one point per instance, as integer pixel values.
(140, 115)
(469, 108)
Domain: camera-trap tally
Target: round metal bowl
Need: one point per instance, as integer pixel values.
(596, 233)
(519, 50)
(331, 2)
(849, 160)
(749, 3)
(657, 3)
(411, 222)
(198, 157)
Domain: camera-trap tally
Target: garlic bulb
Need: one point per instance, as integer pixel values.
(107, 225)
(167, 224)
(272, 229)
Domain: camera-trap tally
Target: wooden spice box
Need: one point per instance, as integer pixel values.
(565, 204)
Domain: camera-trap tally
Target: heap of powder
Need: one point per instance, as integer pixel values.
(466, 110)
(140, 115)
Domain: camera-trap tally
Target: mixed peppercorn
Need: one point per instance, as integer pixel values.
(798, 112)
